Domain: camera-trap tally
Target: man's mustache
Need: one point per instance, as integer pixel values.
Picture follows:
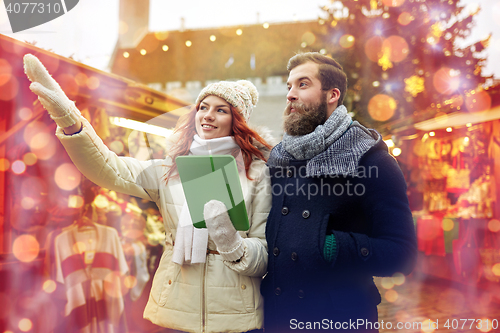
(298, 107)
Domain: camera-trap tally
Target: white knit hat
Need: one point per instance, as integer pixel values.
(241, 94)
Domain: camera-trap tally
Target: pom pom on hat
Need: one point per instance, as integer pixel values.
(242, 95)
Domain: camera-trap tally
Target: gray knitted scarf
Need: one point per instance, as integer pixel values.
(333, 148)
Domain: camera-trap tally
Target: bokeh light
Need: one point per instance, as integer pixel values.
(213, 38)
(396, 151)
(496, 269)
(347, 41)
(494, 225)
(391, 295)
(4, 164)
(25, 248)
(308, 37)
(39, 140)
(18, 167)
(143, 52)
(161, 35)
(405, 18)
(478, 101)
(5, 71)
(101, 201)
(67, 176)
(189, 43)
(93, 83)
(49, 286)
(393, 3)
(265, 25)
(126, 54)
(239, 32)
(373, 48)
(444, 82)
(25, 113)
(447, 224)
(10, 89)
(130, 281)
(387, 283)
(75, 201)
(164, 48)
(381, 107)
(398, 279)
(29, 159)
(396, 48)
(25, 325)
(81, 79)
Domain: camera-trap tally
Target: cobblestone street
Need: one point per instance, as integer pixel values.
(422, 298)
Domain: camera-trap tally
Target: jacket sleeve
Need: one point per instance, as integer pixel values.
(254, 260)
(103, 167)
(391, 245)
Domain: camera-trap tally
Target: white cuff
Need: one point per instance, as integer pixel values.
(234, 254)
(70, 118)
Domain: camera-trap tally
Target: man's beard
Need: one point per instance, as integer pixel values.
(306, 118)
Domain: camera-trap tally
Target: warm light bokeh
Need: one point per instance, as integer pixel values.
(49, 286)
(67, 176)
(4, 164)
(444, 82)
(391, 295)
(447, 224)
(396, 48)
(373, 48)
(381, 107)
(478, 101)
(405, 18)
(494, 225)
(25, 248)
(25, 113)
(25, 325)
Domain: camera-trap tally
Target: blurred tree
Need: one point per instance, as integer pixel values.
(402, 59)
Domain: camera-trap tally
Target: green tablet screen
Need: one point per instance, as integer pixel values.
(212, 177)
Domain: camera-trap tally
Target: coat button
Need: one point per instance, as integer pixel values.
(301, 294)
(289, 173)
(295, 256)
(306, 214)
(277, 291)
(364, 251)
(284, 210)
(169, 281)
(276, 251)
(243, 287)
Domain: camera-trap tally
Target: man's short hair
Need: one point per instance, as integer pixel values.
(331, 74)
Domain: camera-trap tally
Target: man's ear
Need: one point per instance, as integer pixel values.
(333, 96)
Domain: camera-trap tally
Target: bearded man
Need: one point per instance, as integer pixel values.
(340, 213)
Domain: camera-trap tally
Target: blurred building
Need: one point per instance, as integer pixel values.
(181, 62)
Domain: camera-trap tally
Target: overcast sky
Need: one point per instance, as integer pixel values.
(89, 31)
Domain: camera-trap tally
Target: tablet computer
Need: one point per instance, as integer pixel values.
(212, 177)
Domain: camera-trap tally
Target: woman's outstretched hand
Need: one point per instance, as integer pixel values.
(221, 230)
(50, 94)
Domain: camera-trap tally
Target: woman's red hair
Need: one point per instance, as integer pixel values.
(243, 135)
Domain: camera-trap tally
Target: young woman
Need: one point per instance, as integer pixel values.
(208, 280)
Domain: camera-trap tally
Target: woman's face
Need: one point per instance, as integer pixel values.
(214, 119)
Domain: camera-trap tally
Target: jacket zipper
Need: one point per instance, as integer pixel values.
(203, 281)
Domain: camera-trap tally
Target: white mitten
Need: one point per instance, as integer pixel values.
(229, 242)
(50, 94)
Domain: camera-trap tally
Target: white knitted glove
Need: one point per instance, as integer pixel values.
(221, 230)
(50, 94)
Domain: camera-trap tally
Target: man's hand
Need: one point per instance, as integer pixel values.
(221, 230)
(50, 94)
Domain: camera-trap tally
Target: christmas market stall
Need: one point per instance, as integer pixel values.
(452, 166)
(59, 232)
